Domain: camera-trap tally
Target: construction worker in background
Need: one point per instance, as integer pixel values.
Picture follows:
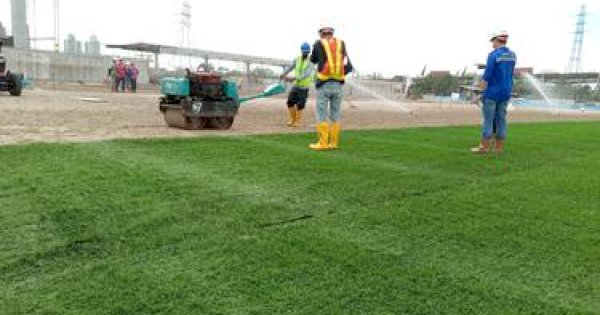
(303, 78)
(331, 57)
(121, 73)
(497, 84)
(112, 74)
(132, 77)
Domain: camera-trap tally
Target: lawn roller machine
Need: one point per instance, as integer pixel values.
(204, 100)
(10, 81)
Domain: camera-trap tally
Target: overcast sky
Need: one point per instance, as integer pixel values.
(391, 37)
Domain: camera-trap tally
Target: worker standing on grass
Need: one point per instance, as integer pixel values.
(497, 84)
(331, 57)
(303, 78)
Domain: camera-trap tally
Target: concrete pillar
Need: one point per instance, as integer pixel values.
(248, 71)
(156, 61)
(2, 31)
(20, 28)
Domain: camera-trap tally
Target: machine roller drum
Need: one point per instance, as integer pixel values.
(175, 117)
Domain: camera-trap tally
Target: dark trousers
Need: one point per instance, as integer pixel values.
(133, 85)
(119, 84)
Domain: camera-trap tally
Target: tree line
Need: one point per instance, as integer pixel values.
(445, 85)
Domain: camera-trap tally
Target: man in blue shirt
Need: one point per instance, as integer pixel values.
(498, 85)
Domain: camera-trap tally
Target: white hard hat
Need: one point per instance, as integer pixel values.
(325, 26)
(499, 34)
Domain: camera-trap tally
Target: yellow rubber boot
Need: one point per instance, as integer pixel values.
(323, 133)
(334, 137)
(298, 120)
(292, 116)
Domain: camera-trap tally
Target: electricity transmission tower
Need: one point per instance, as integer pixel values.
(186, 28)
(576, 52)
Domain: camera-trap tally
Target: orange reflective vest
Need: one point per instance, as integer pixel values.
(334, 68)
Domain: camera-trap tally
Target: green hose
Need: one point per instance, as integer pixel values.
(271, 90)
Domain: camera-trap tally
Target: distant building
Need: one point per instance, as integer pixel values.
(20, 28)
(2, 30)
(93, 47)
(73, 46)
(439, 74)
(523, 71)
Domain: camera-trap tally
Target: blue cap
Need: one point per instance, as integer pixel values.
(305, 48)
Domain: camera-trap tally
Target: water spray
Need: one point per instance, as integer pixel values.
(380, 97)
(540, 89)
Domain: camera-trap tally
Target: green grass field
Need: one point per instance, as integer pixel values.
(398, 222)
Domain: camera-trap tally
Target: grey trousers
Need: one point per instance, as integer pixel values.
(329, 102)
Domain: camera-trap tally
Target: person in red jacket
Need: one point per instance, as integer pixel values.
(121, 73)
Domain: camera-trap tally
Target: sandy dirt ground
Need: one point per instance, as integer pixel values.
(73, 116)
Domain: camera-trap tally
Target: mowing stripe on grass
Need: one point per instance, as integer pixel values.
(393, 223)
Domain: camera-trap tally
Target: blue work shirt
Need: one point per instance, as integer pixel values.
(499, 74)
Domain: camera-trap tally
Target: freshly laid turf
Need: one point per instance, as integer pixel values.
(398, 222)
